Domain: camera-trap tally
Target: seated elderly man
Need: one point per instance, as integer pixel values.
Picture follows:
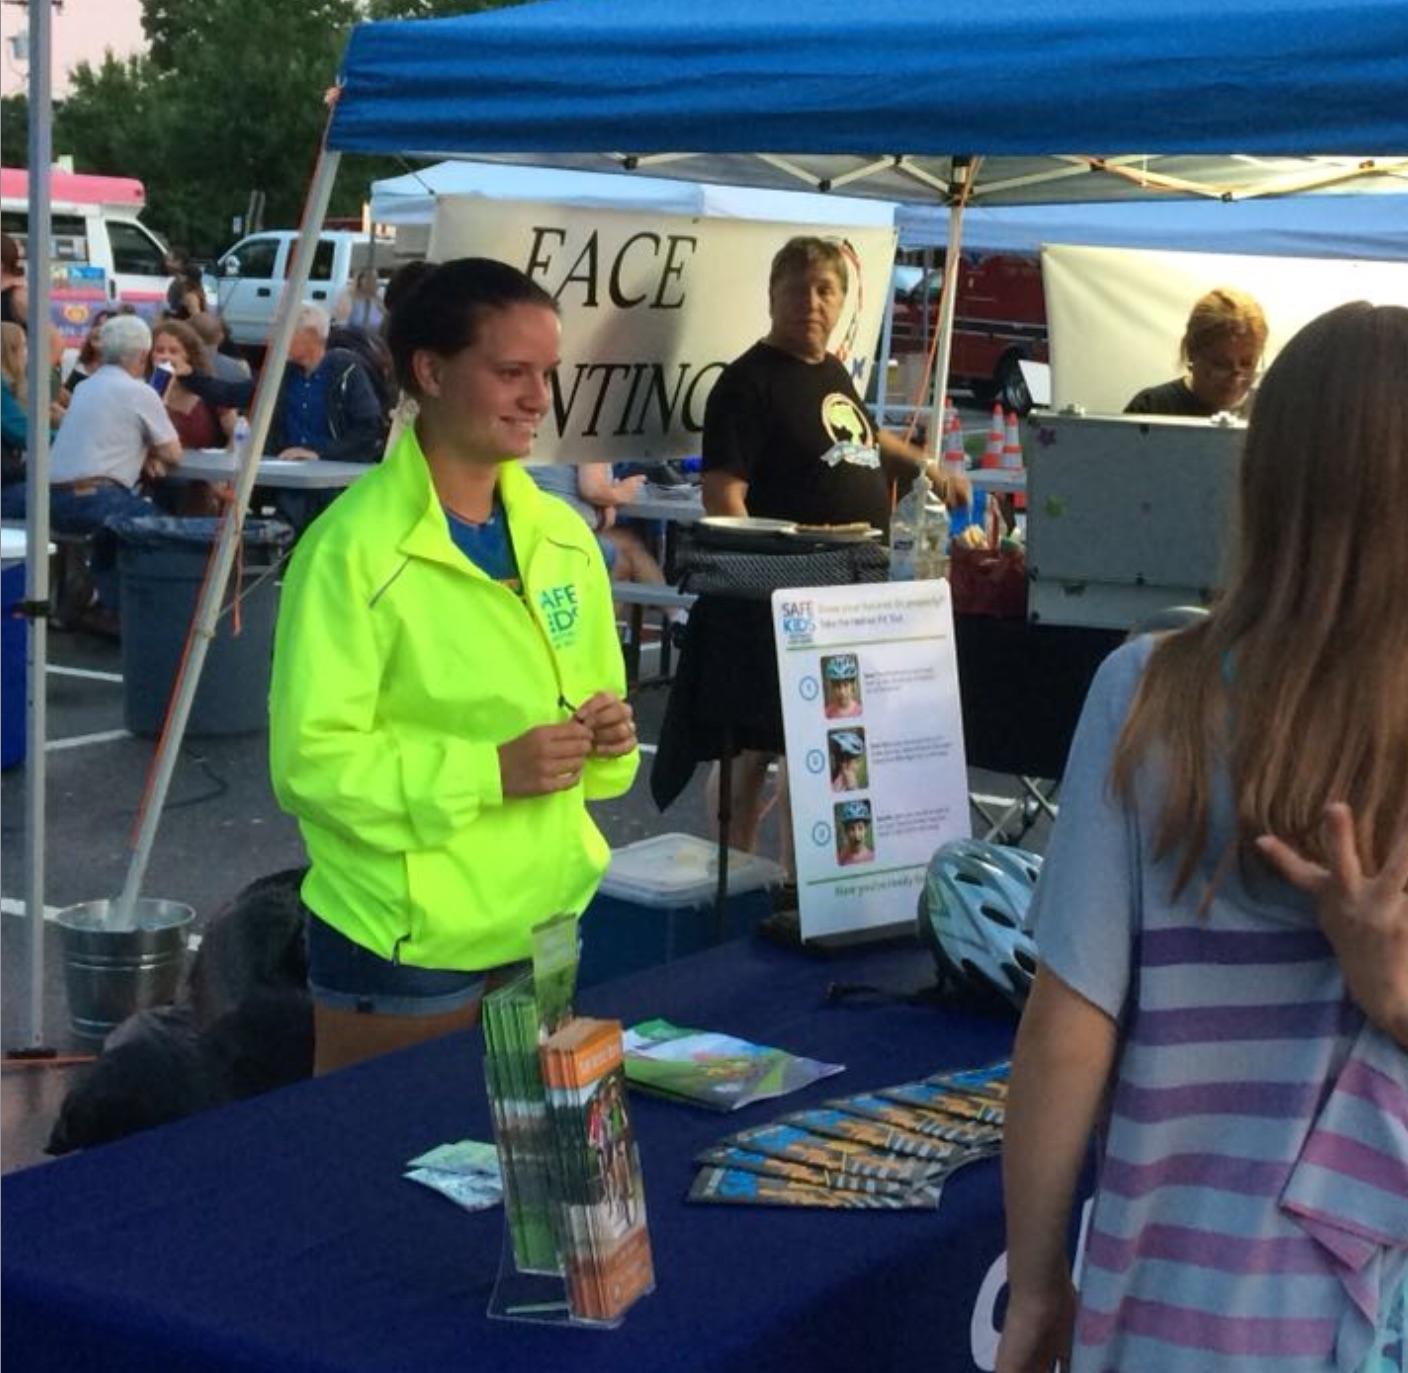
(327, 406)
(116, 429)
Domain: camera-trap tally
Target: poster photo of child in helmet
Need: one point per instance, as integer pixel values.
(855, 833)
(849, 768)
(840, 677)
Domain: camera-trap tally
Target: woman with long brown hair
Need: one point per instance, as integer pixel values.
(1223, 931)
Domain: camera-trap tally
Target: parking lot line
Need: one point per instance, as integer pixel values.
(105, 736)
(88, 674)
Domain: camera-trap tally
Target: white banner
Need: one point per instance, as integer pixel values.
(653, 307)
(1115, 315)
(875, 765)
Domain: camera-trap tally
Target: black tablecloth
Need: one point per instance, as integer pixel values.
(278, 1235)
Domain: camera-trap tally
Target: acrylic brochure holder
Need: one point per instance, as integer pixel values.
(576, 1247)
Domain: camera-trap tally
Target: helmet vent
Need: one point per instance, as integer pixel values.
(998, 917)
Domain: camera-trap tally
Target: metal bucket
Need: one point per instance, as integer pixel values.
(112, 974)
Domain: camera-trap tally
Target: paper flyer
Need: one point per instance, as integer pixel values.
(874, 730)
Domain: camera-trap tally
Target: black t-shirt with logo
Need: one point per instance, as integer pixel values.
(799, 435)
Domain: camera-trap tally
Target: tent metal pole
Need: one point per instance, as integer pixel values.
(887, 330)
(37, 504)
(947, 303)
(202, 630)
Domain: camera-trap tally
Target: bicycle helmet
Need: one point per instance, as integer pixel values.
(849, 742)
(973, 915)
(842, 669)
(854, 810)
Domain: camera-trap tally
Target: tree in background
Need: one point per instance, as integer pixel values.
(227, 100)
(14, 129)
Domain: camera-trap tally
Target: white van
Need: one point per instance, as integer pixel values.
(95, 223)
(249, 277)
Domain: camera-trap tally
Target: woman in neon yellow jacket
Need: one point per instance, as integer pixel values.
(447, 684)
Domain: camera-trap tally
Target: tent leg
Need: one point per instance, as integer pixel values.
(37, 517)
(968, 173)
(231, 531)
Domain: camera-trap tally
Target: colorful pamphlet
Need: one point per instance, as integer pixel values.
(970, 1134)
(825, 1120)
(731, 1156)
(714, 1070)
(596, 1170)
(736, 1187)
(467, 1172)
(888, 1149)
(946, 1102)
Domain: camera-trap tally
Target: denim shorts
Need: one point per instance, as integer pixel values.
(343, 976)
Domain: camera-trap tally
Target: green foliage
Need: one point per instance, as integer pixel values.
(229, 99)
(14, 130)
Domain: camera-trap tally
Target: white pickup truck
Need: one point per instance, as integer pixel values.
(249, 277)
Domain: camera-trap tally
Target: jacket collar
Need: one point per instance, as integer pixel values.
(428, 535)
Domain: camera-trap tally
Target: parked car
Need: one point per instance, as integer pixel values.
(1000, 320)
(248, 278)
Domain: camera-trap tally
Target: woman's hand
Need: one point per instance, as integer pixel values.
(612, 724)
(1036, 1334)
(1364, 915)
(544, 760)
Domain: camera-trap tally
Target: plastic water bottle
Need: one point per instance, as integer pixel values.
(241, 439)
(918, 535)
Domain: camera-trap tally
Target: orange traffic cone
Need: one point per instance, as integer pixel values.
(1012, 456)
(1012, 443)
(954, 456)
(997, 437)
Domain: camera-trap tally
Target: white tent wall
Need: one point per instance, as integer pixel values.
(1115, 316)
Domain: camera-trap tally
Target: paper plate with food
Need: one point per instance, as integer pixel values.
(859, 531)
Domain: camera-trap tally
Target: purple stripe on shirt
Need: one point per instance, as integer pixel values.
(1277, 1100)
(1378, 1089)
(1341, 1154)
(1223, 1024)
(1208, 1249)
(1245, 1176)
(1165, 948)
(1351, 1241)
(1265, 1336)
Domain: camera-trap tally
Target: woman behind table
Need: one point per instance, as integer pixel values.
(1255, 1064)
(198, 424)
(447, 684)
(1220, 350)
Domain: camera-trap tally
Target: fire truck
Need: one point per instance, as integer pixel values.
(1000, 321)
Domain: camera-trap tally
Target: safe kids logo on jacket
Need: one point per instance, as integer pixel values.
(798, 622)
(559, 609)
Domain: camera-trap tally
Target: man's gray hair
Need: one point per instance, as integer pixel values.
(311, 316)
(124, 338)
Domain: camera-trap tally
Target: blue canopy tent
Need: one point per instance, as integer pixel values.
(901, 100)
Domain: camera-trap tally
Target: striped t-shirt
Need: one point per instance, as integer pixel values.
(1235, 1036)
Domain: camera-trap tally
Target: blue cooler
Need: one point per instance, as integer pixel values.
(656, 904)
(14, 642)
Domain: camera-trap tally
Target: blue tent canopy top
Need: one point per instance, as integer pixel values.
(1089, 99)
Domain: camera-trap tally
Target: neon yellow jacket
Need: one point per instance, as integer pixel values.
(399, 668)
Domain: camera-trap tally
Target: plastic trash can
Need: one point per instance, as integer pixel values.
(656, 904)
(14, 638)
(162, 563)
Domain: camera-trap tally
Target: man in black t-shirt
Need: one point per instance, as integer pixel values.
(785, 432)
(786, 436)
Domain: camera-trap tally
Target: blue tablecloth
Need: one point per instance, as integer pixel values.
(278, 1235)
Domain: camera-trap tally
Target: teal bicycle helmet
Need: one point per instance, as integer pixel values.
(854, 810)
(973, 915)
(842, 669)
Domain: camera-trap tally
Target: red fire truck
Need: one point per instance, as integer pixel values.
(1000, 320)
